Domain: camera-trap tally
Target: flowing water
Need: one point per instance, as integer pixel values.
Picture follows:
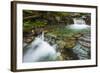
(39, 50)
(78, 24)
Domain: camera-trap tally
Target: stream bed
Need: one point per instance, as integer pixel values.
(59, 44)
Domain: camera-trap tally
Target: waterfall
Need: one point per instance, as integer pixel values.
(40, 50)
(42, 36)
(79, 23)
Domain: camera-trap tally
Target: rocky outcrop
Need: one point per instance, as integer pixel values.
(83, 47)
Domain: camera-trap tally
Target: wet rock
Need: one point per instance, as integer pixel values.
(28, 39)
(81, 51)
(83, 47)
(85, 41)
(61, 44)
(65, 47)
(70, 42)
(50, 38)
(68, 54)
